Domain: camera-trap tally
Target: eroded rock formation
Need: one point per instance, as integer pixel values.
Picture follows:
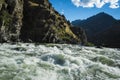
(33, 21)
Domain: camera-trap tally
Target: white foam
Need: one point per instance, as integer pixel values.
(57, 62)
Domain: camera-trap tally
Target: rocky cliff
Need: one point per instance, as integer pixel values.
(33, 21)
(80, 34)
(10, 19)
(41, 23)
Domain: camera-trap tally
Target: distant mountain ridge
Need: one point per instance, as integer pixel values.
(98, 27)
(96, 23)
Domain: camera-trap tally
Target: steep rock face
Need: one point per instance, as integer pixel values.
(41, 23)
(10, 19)
(34, 21)
(80, 33)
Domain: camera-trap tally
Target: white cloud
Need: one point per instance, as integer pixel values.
(114, 5)
(76, 2)
(97, 3)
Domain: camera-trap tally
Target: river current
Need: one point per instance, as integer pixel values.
(29, 61)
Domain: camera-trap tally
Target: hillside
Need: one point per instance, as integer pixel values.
(110, 37)
(41, 23)
(80, 32)
(95, 24)
(33, 21)
(101, 29)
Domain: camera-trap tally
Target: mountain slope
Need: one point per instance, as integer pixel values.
(102, 29)
(95, 24)
(33, 21)
(110, 37)
(41, 23)
(80, 33)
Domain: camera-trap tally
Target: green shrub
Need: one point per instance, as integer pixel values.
(89, 44)
(6, 18)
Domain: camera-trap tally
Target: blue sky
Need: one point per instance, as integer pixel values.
(82, 9)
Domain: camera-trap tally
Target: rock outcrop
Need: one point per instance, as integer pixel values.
(33, 21)
(80, 33)
(11, 13)
(41, 23)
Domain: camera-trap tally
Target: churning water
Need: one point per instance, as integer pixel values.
(25, 61)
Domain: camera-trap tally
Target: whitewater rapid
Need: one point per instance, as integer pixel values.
(29, 61)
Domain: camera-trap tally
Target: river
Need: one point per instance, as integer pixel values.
(29, 61)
